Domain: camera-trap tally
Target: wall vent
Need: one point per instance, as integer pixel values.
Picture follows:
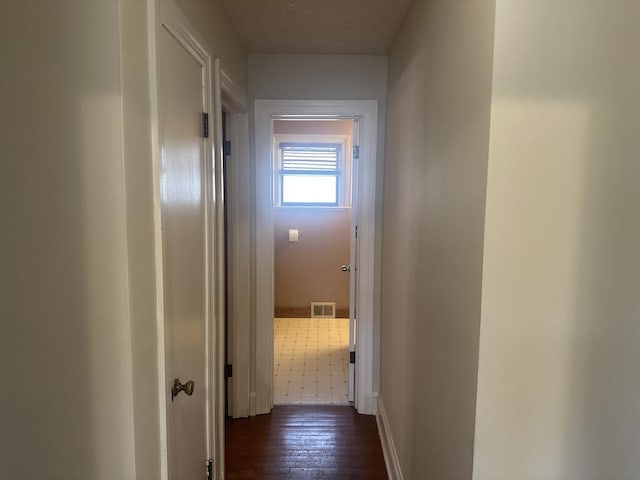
(323, 309)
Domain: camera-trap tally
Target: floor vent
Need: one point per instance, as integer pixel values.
(323, 309)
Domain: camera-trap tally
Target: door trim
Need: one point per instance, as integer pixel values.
(228, 95)
(239, 200)
(367, 355)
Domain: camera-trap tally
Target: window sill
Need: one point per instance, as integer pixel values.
(300, 208)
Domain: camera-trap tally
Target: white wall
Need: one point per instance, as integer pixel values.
(329, 77)
(435, 167)
(139, 183)
(558, 392)
(210, 19)
(66, 409)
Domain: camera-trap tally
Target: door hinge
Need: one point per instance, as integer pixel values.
(210, 469)
(352, 357)
(228, 371)
(356, 151)
(226, 148)
(205, 125)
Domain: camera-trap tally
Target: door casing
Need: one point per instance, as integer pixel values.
(240, 220)
(367, 354)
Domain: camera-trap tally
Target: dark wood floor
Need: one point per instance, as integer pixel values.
(305, 442)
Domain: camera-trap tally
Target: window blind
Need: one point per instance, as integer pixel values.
(301, 157)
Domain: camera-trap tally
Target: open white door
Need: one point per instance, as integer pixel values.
(353, 279)
(183, 83)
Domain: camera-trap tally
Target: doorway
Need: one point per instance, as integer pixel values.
(365, 358)
(314, 217)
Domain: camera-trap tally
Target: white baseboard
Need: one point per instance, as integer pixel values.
(388, 447)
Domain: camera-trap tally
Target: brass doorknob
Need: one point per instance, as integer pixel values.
(182, 387)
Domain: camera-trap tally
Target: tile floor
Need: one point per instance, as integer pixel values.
(311, 358)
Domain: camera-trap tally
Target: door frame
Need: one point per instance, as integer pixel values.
(231, 97)
(367, 354)
(227, 95)
(165, 14)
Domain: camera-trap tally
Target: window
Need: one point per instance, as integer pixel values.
(310, 174)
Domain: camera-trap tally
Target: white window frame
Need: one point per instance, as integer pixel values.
(344, 180)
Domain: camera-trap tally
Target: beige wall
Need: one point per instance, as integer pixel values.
(309, 270)
(67, 407)
(436, 159)
(558, 392)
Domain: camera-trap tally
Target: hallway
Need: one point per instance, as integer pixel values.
(303, 443)
(499, 215)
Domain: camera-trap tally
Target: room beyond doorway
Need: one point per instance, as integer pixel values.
(313, 246)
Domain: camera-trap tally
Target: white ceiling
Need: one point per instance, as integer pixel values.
(317, 26)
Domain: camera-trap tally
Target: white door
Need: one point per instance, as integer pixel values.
(353, 279)
(183, 193)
